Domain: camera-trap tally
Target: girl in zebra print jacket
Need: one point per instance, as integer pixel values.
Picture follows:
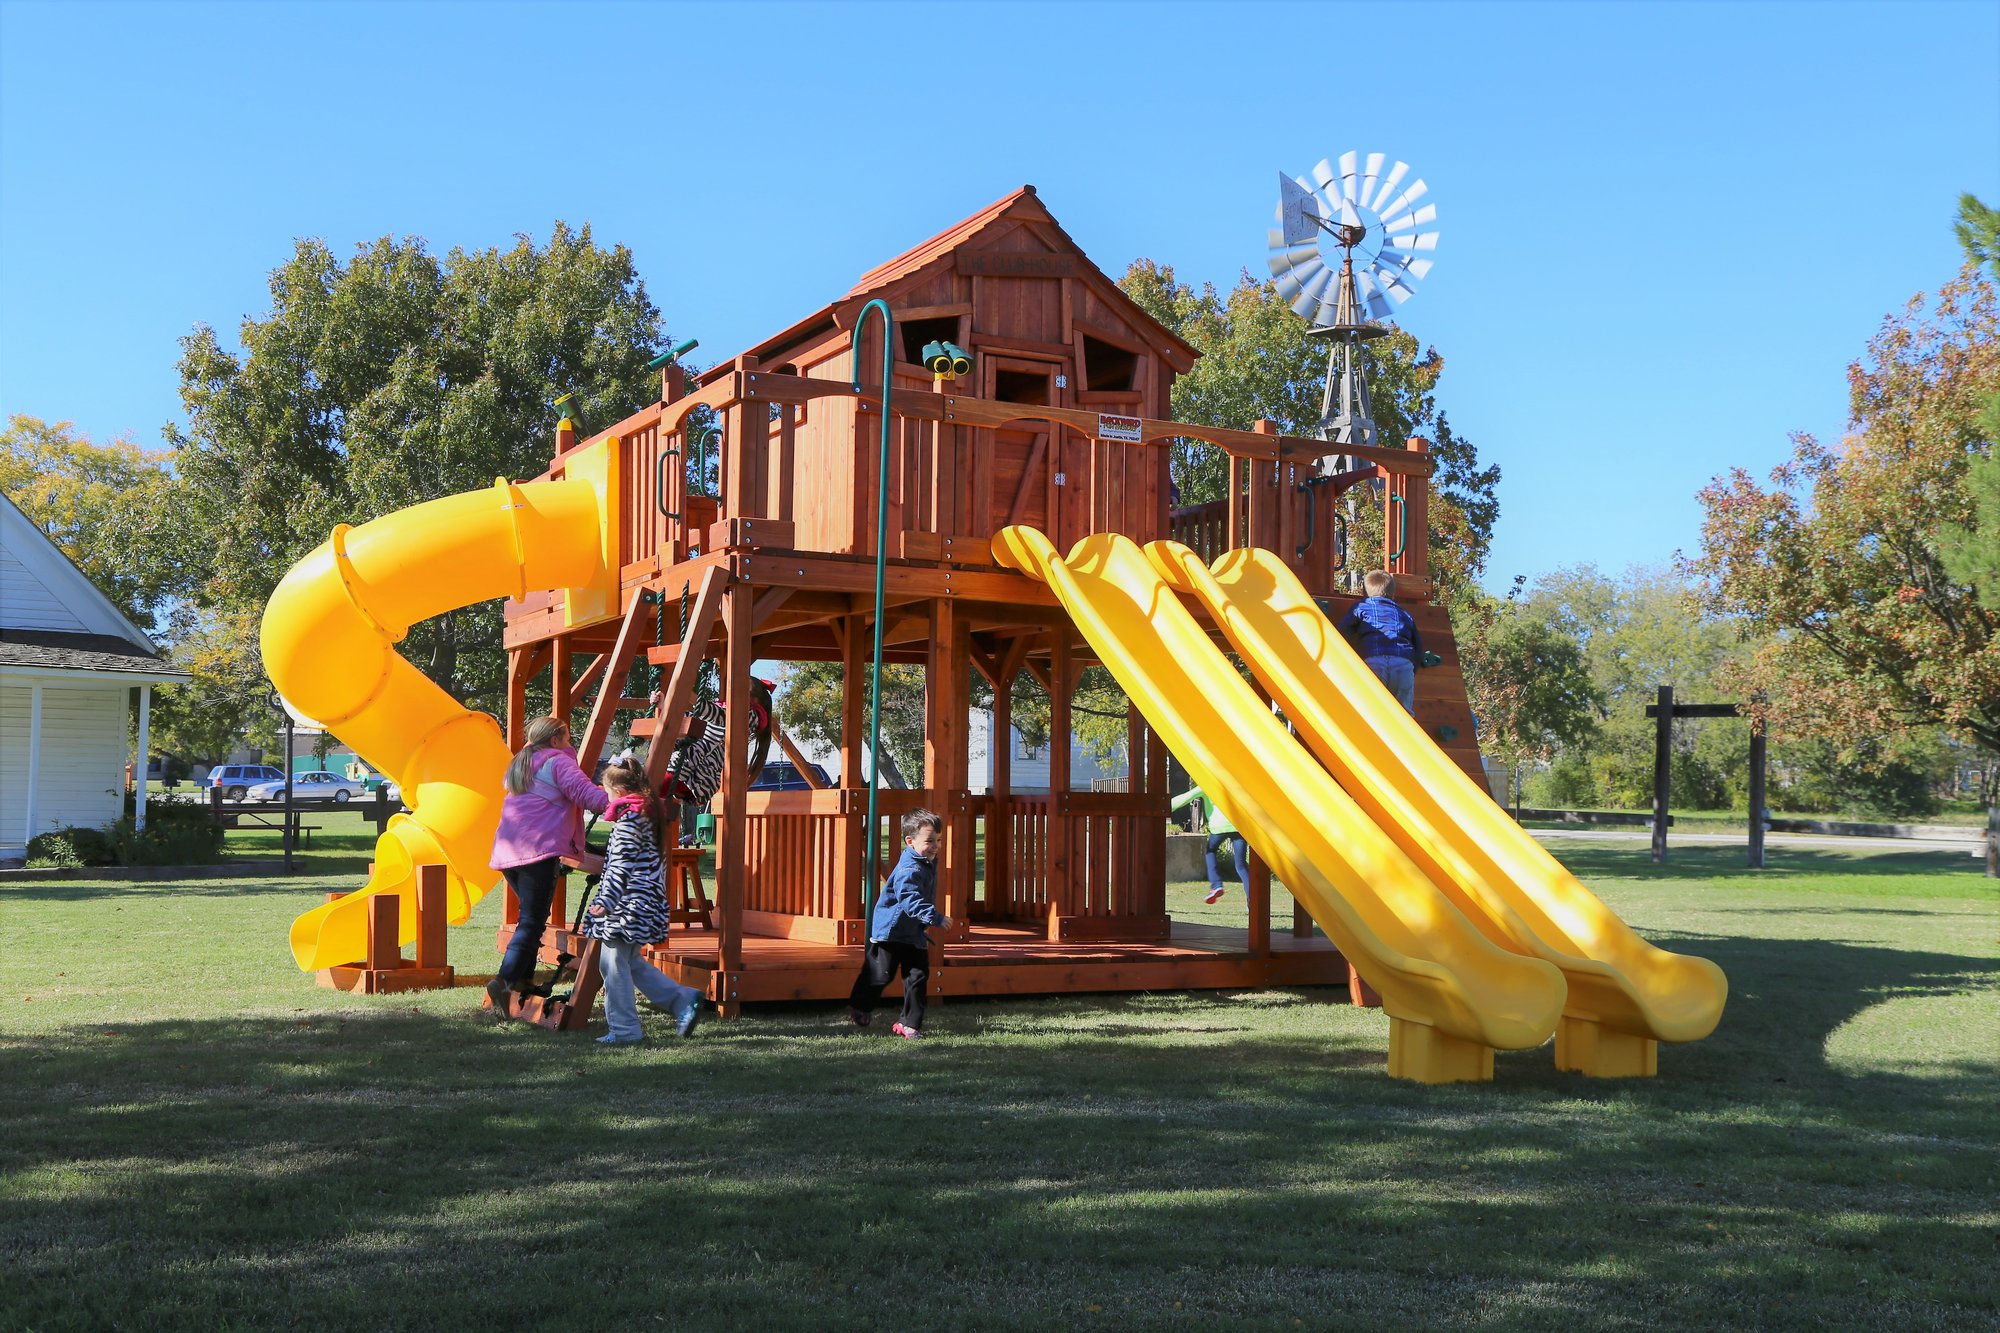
(630, 911)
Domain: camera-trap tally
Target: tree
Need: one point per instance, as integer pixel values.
(1257, 362)
(228, 699)
(1527, 680)
(106, 506)
(1836, 565)
(396, 378)
(1971, 551)
(810, 708)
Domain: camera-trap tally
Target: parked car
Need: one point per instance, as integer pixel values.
(236, 780)
(319, 786)
(783, 775)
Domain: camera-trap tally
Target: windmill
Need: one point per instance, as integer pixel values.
(1349, 247)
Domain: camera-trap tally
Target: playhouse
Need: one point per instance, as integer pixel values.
(1027, 527)
(1070, 893)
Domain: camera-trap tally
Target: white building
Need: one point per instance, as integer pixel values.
(70, 667)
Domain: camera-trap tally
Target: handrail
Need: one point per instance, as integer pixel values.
(874, 836)
(1402, 526)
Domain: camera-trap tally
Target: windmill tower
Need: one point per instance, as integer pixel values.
(1347, 245)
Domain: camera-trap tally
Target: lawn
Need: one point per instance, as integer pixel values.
(196, 1136)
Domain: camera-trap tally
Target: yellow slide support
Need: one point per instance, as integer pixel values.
(1451, 994)
(329, 637)
(1625, 995)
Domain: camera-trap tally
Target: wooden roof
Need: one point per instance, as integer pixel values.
(1023, 206)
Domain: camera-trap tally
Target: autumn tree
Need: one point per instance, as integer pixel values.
(108, 507)
(393, 378)
(1834, 567)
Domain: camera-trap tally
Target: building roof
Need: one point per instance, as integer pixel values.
(44, 590)
(1023, 204)
(32, 651)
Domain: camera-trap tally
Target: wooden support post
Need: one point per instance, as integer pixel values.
(999, 787)
(1757, 811)
(431, 909)
(385, 919)
(1259, 907)
(732, 842)
(947, 702)
(560, 690)
(1061, 844)
(851, 855)
(1663, 758)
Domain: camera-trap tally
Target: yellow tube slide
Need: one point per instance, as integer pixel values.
(328, 638)
(1451, 994)
(1625, 995)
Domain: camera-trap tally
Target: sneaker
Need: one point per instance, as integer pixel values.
(912, 1033)
(859, 1017)
(688, 1019)
(1215, 894)
(609, 1040)
(502, 996)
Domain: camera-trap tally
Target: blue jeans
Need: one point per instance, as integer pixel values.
(534, 886)
(1238, 849)
(1400, 675)
(623, 967)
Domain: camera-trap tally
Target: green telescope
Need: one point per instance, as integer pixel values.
(947, 361)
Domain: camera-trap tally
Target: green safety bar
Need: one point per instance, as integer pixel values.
(1402, 527)
(881, 569)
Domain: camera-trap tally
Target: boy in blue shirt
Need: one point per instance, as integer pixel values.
(1385, 637)
(896, 940)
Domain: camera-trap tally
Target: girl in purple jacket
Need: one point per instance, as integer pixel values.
(541, 821)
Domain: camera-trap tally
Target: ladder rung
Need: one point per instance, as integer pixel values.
(665, 655)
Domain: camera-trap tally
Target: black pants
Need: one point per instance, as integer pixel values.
(878, 969)
(534, 886)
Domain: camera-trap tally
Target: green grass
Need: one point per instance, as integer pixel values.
(196, 1136)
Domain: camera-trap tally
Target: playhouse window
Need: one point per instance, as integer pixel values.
(1021, 386)
(917, 332)
(1107, 369)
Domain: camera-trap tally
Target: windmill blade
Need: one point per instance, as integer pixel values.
(1406, 244)
(1423, 217)
(1370, 169)
(1393, 281)
(1292, 282)
(1388, 187)
(1369, 293)
(1309, 298)
(1323, 180)
(1299, 259)
(1347, 174)
(1297, 214)
(1407, 199)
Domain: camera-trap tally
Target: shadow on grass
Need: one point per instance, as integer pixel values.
(1037, 1160)
(1592, 861)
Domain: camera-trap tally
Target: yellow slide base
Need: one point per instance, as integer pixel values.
(1584, 1046)
(1422, 1054)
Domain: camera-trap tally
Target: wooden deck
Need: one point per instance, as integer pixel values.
(999, 960)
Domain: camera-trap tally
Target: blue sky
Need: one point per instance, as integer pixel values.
(1666, 229)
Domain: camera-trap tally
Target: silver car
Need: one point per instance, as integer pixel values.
(319, 786)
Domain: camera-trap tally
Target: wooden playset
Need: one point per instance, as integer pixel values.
(1062, 424)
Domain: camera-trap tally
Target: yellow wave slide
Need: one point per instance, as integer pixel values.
(329, 636)
(1625, 995)
(1452, 994)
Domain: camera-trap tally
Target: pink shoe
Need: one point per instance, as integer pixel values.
(1215, 895)
(911, 1033)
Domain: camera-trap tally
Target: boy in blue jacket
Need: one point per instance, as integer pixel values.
(1385, 637)
(896, 940)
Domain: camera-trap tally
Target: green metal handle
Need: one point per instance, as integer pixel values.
(881, 568)
(1402, 527)
(660, 483)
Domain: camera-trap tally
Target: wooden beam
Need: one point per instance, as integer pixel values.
(732, 829)
(807, 769)
(612, 687)
(1028, 474)
(767, 604)
(679, 692)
